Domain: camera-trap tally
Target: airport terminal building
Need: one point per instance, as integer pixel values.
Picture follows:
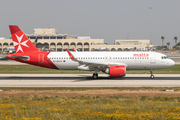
(48, 38)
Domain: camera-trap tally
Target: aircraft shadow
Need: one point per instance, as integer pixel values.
(88, 78)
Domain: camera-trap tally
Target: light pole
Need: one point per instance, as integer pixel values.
(151, 24)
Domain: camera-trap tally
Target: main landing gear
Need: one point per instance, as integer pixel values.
(95, 75)
(152, 76)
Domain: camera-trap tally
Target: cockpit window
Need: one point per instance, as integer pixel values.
(164, 57)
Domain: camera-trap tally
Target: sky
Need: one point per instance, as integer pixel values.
(104, 19)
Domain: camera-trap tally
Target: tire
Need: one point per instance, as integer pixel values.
(95, 76)
(152, 76)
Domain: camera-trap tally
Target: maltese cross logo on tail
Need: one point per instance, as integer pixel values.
(19, 43)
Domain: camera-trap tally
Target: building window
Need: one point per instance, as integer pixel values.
(52, 37)
(32, 37)
(39, 37)
(46, 37)
(60, 37)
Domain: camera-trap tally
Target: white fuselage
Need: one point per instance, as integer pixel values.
(132, 60)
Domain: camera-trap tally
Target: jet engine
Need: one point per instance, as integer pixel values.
(116, 71)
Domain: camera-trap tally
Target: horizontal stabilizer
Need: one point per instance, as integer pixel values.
(25, 58)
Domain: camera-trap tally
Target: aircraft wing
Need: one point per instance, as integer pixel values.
(87, 63)
(93, 64)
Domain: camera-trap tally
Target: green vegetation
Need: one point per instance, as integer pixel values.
(89, 108)
(29, 69)
(72, 103)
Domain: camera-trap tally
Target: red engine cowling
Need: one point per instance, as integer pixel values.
(116, 71)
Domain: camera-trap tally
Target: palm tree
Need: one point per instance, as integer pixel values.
(168, 44)
(175, 38)
(162, 37)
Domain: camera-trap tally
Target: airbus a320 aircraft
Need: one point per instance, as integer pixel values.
(113, 63)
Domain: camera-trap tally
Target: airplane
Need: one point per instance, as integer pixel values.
(113, 63)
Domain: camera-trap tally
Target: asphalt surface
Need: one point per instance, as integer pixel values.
(85, 80)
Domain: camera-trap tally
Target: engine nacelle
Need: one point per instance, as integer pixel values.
(116, 71)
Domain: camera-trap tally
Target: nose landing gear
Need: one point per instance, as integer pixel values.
(152, 76)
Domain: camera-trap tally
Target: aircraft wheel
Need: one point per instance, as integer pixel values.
(152, 76)
(95, 76)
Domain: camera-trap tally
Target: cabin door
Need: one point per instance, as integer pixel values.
(152, 58)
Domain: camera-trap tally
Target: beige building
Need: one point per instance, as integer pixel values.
(45, 31)
(49, 39)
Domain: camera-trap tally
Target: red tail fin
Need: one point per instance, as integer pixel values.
(21, 42)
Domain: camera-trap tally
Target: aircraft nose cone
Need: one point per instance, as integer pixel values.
(171, 63)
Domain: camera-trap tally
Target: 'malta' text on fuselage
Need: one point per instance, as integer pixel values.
(141, 55)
